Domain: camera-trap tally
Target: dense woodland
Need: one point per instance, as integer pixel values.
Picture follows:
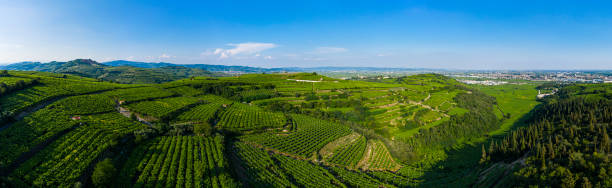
(566, 145)
(297, 130)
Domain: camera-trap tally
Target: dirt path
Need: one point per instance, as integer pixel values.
(329, 148)
(363, 163)
(127, 113)
(428, 107)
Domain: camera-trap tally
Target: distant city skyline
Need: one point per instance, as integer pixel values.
(468, 35)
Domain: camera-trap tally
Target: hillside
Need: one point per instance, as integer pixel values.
(212, 68)
(254, 130)
(567, 143)
(121, 74)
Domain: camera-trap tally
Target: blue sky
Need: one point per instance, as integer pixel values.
(413, 34)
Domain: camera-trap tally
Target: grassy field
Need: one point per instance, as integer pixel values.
(515, 99)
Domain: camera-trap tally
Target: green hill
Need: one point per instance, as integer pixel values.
(121, 74)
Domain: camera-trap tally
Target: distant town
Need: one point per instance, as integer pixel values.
(490, 77)
(551, 76)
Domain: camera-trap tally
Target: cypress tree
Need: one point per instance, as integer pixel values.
(484, 155)
(551, 151)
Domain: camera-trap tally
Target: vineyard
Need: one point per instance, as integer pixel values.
(260, 168)
(48, 89)
(307, 174)
(12, 81)
(350, 154)
(245, 117)
(200, 113)
(311, 135)
(185, 91)
(216, 99)
(62, 162)
(178, 161)
(162, 108)
(85, 104)
(378, 157)
(355, 179)
(256, 94)
(139, 94)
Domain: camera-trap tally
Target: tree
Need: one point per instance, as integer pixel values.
(484, 155)
(203, 129)
(134, 117)
(586, 183)
(569, 180)
(103, 173)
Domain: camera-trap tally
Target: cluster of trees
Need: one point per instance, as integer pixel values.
(360, 112)
(229, 89)
(330, 103)
(567, 144)
(312, 96)
(475, 123)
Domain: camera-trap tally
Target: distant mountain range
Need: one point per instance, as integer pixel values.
(145, 72)
(212, 68)
(120, 74)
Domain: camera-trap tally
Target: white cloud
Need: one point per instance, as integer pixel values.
(329, 50)
(165, 56)
(268, 57)
(241, 49)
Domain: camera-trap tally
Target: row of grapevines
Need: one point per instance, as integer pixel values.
(200, 113)
(216, 99)
(185, 91)
(139, 94)
(350, 154)
(163, 107)
(379, 157)
(255, 94)
(181, 161)
(392, 178)
(48, 89)
(11, 81)
(259, 167)
(244, 117)
(307, 174)
(356, 179)
(271, 170)
(312, 135)
(62, 163)
(31, 131)
(85, 104)
(38, 127)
